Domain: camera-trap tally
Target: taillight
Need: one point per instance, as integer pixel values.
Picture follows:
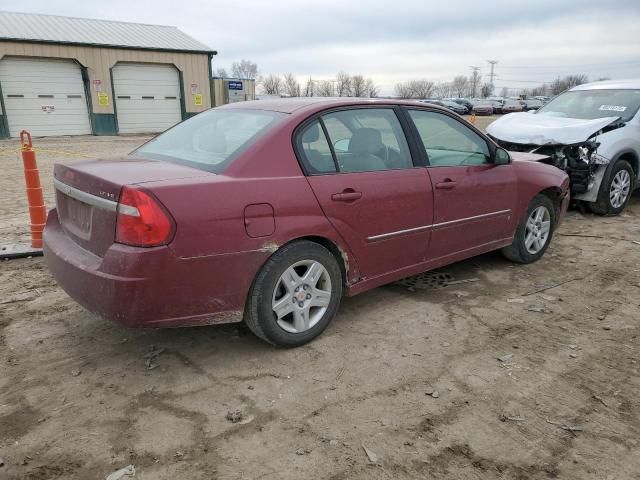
(142, 220)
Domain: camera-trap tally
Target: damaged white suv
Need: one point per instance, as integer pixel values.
(592, 132)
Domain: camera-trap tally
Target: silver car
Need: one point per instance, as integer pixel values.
(592, 132)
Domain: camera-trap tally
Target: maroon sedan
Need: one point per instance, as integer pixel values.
(271, 211)
(482, 108)
(511, 106)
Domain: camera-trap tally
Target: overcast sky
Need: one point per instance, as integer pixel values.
(390, 41)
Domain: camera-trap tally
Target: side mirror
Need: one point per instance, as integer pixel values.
(501, 157)
(341, 146)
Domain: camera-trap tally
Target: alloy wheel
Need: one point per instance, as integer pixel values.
(301, 296)
(620, 188)
(538, 230)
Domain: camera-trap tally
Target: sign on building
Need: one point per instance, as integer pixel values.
(235, 91)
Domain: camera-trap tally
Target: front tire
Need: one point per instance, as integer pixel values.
(615, 190)
(295, 295)
(534, 232)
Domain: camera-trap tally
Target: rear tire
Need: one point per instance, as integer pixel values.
(613, 196)
(295, 295)
(534, 232)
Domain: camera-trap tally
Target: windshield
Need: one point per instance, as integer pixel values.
(590, 104)
(211, 140)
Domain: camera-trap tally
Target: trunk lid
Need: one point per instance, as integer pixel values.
(87, 194)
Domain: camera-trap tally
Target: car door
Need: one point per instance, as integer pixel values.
(360, 167)
(473, 198)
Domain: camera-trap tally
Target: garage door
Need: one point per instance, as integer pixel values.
(147, 97)
(46, 97)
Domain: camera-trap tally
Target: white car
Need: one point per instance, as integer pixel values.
(592, 132)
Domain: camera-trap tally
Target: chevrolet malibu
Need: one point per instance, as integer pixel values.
(271, 211)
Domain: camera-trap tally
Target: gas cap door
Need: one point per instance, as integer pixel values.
(259, 220)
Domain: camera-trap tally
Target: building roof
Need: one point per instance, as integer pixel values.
(86, 31)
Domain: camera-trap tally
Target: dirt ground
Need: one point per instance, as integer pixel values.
(479, 380)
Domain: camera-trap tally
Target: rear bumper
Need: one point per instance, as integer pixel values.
(151, 287)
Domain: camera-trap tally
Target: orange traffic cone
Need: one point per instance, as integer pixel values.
(473, 118)
(37, 210)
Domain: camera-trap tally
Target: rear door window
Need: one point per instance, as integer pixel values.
(316, 150)
(367, 139)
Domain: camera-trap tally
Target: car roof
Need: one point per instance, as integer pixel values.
(610, 85)
(313, 104)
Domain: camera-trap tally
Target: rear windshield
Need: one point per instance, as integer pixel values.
(590, 104)
(211, 140)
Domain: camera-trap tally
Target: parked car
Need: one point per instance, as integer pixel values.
(497, 104)
(592, 132)
(453, 106)
(270, 211)
(482, 107)
(463, 101)
(511, 106)
(531, 104)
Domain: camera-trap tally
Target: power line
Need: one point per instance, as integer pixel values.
(584, 65)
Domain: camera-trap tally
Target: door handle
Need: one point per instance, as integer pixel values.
(448, 184)
(348, 195)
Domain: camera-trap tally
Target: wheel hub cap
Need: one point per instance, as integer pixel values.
(537, 230)
(620, 188)
(301, 296)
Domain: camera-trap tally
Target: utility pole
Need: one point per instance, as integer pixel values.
(475, 78)
(492, 63)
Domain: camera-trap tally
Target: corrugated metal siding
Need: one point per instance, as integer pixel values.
(99, 61)
(51, 28)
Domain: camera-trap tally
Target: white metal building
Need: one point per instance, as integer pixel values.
(76, 76)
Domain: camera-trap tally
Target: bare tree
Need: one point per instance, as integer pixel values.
(324, 88)
(221, 72)
(291, 86)
(559, 85)
(343, 84)
(372, 89)
(402, 90)
(421, 88)
(271, 84)
(244, 69)
(359, 86)
(460, 85)
(442, 89)
(486, 90)
(309, 88)
(474, 81)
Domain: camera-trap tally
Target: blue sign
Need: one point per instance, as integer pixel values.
(235, 85)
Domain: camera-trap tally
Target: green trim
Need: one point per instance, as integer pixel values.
(103, 45)
(4, 127)
(190, 114)
(183, 109)
(113, 99)
(87, 93)
(104, 124)
(4, 121)
(212, 90)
